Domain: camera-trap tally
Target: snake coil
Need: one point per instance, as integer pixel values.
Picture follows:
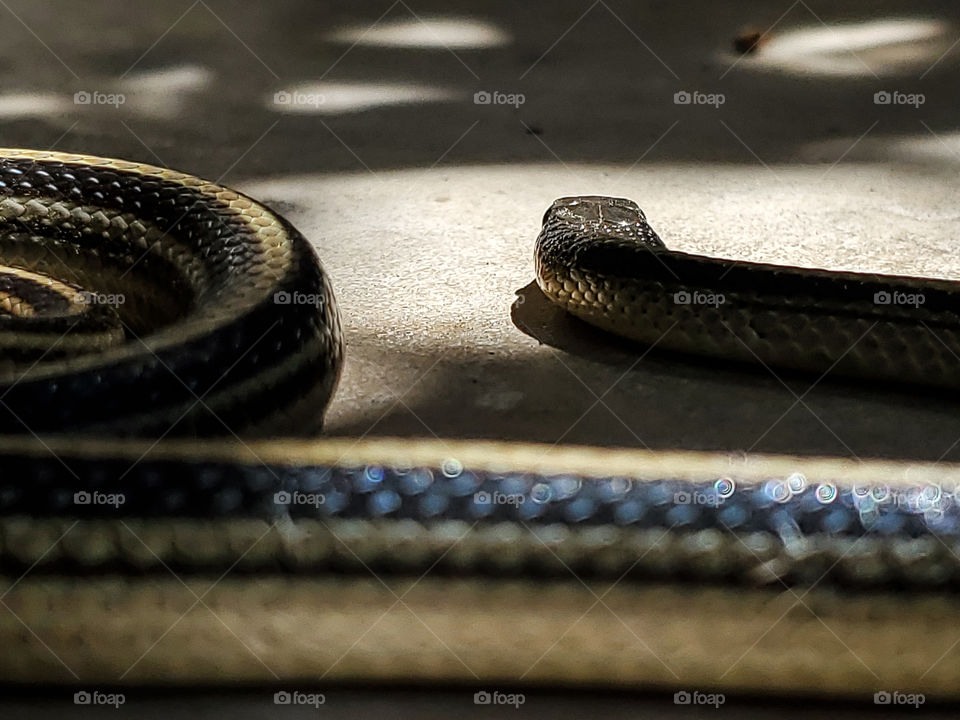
(141, 301)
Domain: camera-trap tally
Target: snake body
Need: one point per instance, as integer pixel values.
(599, 258)
(503, 549)
(200, 339)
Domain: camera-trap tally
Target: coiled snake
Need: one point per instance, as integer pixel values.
(144, 309)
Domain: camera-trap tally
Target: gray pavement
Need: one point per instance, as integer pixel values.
(424, 205)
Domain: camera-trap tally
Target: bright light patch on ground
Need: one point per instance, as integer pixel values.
(876, 47)
(334, 98)
(452, 33)
(164, 92)
(941, 149)
(944, 147)
(17, 105)
(173, 79)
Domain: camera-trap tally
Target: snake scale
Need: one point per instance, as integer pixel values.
(147, 316)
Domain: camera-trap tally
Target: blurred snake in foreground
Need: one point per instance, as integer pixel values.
(149, 319)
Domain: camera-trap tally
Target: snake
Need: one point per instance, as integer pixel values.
(168, 515)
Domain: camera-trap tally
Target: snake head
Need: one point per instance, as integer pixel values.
(595, 210)
(598, 218)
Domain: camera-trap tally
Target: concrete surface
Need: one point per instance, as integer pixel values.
(441, 342)
(424, 205)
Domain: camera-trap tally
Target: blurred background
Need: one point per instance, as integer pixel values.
(417, 144)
